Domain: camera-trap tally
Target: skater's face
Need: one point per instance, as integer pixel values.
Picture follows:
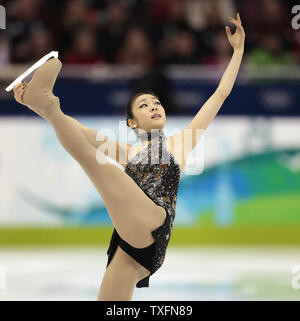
(148, 113)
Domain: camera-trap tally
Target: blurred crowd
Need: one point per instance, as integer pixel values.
(147, 32)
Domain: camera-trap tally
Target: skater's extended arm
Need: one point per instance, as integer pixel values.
(209, 110)
(190, 136)
(211, 107)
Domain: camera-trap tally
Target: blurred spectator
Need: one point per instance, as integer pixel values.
(40, 42)
(273, 16)
(29, 10)
(76, 15)
(136, 49)
(266, 16)
(197, 12)
(23, 18)
(168, 18)
(181, 50)
(270, 52)
(4, 50)
(22, 51)
(222, 50)
(159, 10)
(113, 32)
(83, 50)
(168, 31)
(209, 37)
(296, 46)
(176, 18)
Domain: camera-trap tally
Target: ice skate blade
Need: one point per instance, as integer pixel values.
(51, 54)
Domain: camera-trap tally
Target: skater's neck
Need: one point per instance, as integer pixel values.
(149, 136)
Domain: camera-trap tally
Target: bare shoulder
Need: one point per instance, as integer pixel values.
(181, 145)
(175, 146)
(123, 152)
(128, 152)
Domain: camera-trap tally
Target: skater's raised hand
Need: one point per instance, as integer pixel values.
(19, 92)
(237, 39)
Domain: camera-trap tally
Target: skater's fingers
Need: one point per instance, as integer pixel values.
(20, 91)
(18, 94)
(17, 86)
(16, 91)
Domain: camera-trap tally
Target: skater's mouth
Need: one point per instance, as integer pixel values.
(156, 116)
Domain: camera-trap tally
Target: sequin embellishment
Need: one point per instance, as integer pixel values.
(157, 173)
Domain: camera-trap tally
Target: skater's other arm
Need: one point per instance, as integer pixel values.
(189, 138)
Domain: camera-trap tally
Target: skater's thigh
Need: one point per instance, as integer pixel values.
(128, 205)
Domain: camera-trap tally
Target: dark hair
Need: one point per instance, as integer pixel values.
(129, 114)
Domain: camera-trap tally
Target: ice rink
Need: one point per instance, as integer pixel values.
(189, 274)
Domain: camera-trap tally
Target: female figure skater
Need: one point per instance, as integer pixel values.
(140, 200)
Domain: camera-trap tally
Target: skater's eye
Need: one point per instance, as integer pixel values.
(157, 102)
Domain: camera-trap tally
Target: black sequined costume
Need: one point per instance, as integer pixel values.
(157, 173)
